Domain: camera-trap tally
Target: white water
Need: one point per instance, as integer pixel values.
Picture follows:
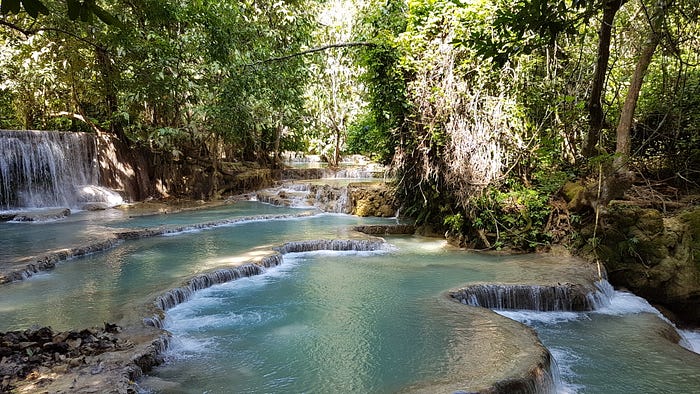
(692, 338)
(41, 169)
(618, 305)
(609, 302)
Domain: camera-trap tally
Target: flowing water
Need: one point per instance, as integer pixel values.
(321, 321)
(50, 169)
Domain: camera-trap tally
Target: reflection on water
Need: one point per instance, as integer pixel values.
(363, 322)
(134, 270)
(360, 322)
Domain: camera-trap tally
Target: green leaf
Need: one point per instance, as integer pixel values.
(34, 8)
(9, 6)
(74, 7)
(105, 16)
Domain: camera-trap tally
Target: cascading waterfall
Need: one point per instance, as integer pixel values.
(327, 198)
(182, 294)
(335, 244)
(560, 297)
(50, 169)
(332, 199)
(357, 173)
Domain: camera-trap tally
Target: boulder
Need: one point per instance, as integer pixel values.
(655, 256)
(376, 199)
(95, 206)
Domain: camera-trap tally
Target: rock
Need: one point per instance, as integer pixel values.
(97, 369)
(656, 257)
(95, 206)
(6, 217)
(24, 345)
(74, 343)
(42, 215)
(375, 199)
(76, 362)
(55, 347)
(112, 328)
(386, 211)
(60, 337)
(379, 229)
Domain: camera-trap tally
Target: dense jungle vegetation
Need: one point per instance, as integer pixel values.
(506, 122)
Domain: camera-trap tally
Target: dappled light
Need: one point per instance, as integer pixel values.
(349, 195)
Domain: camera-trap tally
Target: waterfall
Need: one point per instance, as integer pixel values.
(327, 198)
(335, 244)
(50, 169)
(559, 297)
(182, 294)
(332, 198)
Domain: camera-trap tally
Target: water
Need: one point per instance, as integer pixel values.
(617, 349)
(285, 331)
(50, 169)
(104, 286)
(692, 338)
(356, 322)
(19, 239)
(322, 321)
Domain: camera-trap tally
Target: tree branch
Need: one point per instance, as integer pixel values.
(313, 50)
(12, 26)
(29, 32)
(81, 118)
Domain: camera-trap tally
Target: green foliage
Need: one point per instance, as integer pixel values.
(76, 9)
(524, 27)
(515, 217)
(165, 66)
(365, 138)
(7, 113)
(33, 7)
(455, 223)
(666, 139)
(388, 106)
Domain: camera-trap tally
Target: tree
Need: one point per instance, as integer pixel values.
(334, 96)
(75, 9)
(656, 21)
(595, 105)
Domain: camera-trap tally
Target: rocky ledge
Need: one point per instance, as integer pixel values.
(35, 357)
(489, 353)
(35, 216)
(655, 255)
(386, 229)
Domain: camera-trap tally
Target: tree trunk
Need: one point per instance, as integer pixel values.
(624, 127)
(336, 152)
(596, 116)
(109, 76)
(278, 137)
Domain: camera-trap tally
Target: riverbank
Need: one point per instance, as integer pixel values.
(150, 342)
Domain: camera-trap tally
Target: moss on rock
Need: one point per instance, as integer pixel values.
(656, 257)
(372, 200)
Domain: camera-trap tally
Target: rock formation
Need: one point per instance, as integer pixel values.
(654, 256)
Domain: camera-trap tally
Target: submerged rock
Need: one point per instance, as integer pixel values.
(41, 216)
(95, 206)
(490, 353)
